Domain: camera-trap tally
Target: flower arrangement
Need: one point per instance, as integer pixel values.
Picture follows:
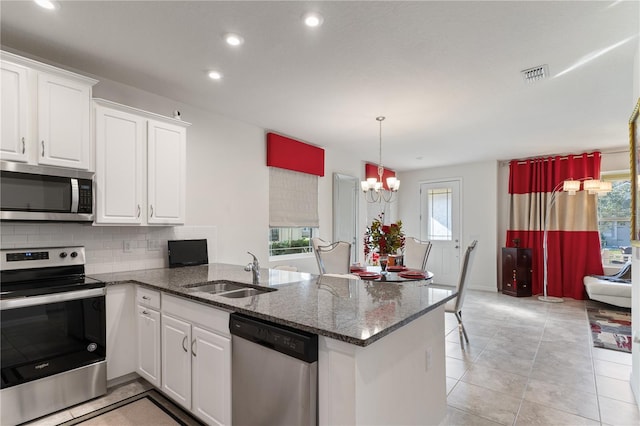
(383, 239)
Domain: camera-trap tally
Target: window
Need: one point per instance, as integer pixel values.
(293, 211)
(284, 241)
(614, 220)
(439, 220)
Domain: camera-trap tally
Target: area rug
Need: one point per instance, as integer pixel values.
(610, 328)
(147, 408)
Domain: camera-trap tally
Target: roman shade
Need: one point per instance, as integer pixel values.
(293, 199)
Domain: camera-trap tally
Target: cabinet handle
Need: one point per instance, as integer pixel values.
(138, 210)
(145, 312)
(193, 352)
(146, 298)
(23, 145)
(151, 210)
(43, 148)
(184, 341)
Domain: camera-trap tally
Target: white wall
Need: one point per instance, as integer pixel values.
(479, 212)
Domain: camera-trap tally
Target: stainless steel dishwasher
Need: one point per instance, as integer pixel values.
(274, 374)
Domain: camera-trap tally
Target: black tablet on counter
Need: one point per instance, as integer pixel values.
(187, 253)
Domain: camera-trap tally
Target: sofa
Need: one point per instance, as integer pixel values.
(612, 289)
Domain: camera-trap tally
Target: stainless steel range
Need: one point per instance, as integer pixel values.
(53, 329)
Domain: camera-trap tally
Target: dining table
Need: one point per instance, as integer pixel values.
(393, 275)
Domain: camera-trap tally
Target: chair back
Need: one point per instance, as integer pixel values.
(315, 243)
(416, 253)
(334, 258)
(462, 279)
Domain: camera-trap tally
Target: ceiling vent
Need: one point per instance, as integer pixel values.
(535, 74)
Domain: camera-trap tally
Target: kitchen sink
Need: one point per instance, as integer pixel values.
(245, 292)
(215, 286)
(231, 289)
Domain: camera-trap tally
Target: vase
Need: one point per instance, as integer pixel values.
(384, 259)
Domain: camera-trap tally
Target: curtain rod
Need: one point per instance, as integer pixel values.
(564, 157)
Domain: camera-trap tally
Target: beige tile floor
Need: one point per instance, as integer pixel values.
(532, 363)
(527, 363)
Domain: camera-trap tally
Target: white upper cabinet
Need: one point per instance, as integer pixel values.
(140, 166)
(14, 112)
(120, 146)
(46, 114)
(64, 120)
(166, 160)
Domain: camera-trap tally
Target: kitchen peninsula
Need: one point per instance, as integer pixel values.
(381, 346)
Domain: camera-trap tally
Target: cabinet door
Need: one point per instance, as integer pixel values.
(148, 365)
(120, 141)
(64, 108)
(166, 162)
(176, 360)
(211, 377)
(121, 336)
(14, 112)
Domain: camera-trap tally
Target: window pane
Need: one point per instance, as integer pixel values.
(614, 222)
(290, 240)
(439, 222)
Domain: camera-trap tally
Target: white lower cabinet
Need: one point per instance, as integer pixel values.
(196, 358)
(176, 365)
(148, 365)
(211, 372)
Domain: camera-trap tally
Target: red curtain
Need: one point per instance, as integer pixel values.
(573, 240)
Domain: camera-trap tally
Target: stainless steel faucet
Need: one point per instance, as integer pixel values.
(255, 268)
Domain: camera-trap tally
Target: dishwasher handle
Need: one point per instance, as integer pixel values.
(289, 341)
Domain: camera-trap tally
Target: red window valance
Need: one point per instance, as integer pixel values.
(290, 154)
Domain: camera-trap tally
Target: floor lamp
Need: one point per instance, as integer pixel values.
(571, 186)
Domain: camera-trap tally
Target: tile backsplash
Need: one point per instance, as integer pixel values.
(108, 248)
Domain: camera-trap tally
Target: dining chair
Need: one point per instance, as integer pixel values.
(454, 306)
(416, 253)
(332, 258)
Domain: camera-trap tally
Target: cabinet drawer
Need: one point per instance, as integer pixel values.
(148, 297)
(208, 316)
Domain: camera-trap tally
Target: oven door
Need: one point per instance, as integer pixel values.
(46, 335)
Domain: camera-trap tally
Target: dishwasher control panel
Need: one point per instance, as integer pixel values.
(287, 340)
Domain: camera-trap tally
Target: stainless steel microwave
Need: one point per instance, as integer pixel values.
(45, 193)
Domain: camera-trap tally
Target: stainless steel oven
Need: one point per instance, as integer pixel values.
(43, 193)
(53, 330)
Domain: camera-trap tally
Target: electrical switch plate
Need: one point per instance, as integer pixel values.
(153, 245)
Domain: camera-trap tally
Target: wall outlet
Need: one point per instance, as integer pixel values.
(127, 246)
(153, 245)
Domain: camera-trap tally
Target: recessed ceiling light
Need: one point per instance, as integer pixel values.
(48, 4)
(233, 39)
(313, 19)
(215, 75)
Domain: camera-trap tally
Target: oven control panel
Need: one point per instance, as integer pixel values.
(12, 259)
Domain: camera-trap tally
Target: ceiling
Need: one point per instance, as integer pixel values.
(445, 74)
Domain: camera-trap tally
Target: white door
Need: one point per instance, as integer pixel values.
(440, 223)
(345, 211)
(64, 108)
(14, 113)
(120, 166)
(211, 377)
(176, 360)
(149, 345)
(166, 160)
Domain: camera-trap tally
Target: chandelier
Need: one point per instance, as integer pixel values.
(374, 188)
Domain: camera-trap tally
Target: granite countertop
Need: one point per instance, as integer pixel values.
(354, 311)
